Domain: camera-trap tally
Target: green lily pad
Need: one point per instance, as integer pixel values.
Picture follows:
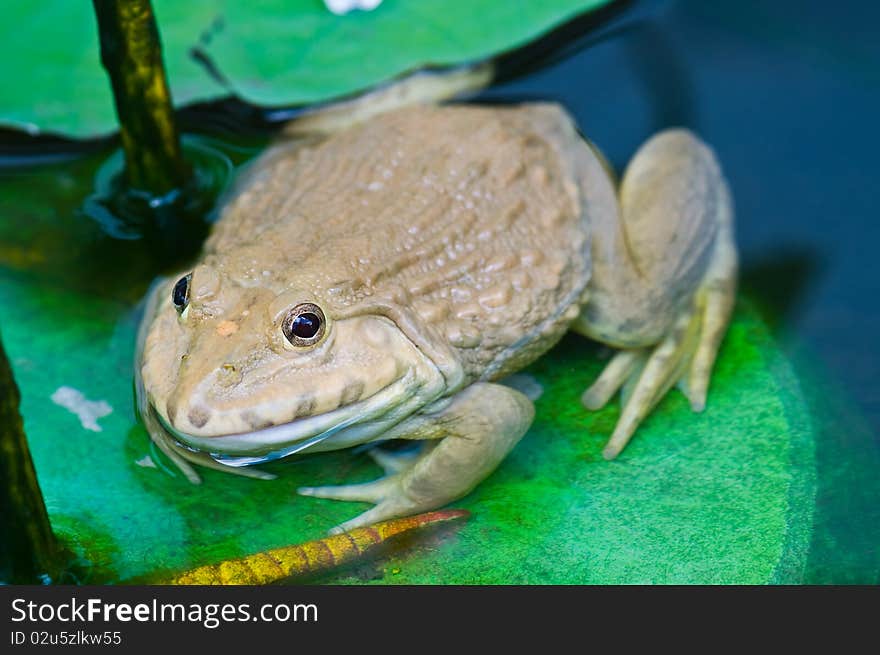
(273, 53)
(728, 495)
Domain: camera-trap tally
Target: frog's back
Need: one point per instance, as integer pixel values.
(467, 216)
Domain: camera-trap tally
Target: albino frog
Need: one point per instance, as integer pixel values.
(378, 276)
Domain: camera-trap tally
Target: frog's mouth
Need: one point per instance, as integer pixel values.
(338, 428)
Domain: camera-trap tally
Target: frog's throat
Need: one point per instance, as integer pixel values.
(342, 427)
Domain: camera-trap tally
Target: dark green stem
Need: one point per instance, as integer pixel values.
(132, 55)
(28, 552)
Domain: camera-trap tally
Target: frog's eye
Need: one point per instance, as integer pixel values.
(304, 325)
(180, 294)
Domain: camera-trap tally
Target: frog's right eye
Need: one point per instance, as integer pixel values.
(180, 294)
(304, 325)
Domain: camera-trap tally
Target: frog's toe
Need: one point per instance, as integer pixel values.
(714, 303)
(684, 357)
(388, 509)
(645, 387)
(368, 492)
(717, 307)
(387, 494)
(621, 367)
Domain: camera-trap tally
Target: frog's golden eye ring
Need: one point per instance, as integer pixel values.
(180, 293)
(304, 325)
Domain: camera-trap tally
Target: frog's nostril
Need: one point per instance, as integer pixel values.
(229, 375)
(225, 328)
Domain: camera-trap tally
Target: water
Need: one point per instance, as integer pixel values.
(785, 92)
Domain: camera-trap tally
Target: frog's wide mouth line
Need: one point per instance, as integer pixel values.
(353, 421)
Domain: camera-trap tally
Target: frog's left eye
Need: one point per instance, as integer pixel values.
(304, 325)
(180, 294)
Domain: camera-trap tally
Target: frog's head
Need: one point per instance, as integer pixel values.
(241, 369)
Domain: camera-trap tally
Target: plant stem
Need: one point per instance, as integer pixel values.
(132, 55)
(27, 550)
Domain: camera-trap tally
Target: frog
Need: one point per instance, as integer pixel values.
(378, 273)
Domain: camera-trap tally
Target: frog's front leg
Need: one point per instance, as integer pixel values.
(664, 280)
(474, 432)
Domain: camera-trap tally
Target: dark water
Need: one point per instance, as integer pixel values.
(788, 93)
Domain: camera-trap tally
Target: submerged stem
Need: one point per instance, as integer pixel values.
(132, 55)
(27, 550)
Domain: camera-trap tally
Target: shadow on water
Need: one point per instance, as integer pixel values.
(779, 282)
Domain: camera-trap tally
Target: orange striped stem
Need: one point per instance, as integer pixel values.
(312, 557)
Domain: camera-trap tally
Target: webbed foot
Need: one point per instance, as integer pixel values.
(468, 438)
(684, 357)
(384, 492)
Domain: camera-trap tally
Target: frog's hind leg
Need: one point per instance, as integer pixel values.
(469, 437)
(676, 182)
